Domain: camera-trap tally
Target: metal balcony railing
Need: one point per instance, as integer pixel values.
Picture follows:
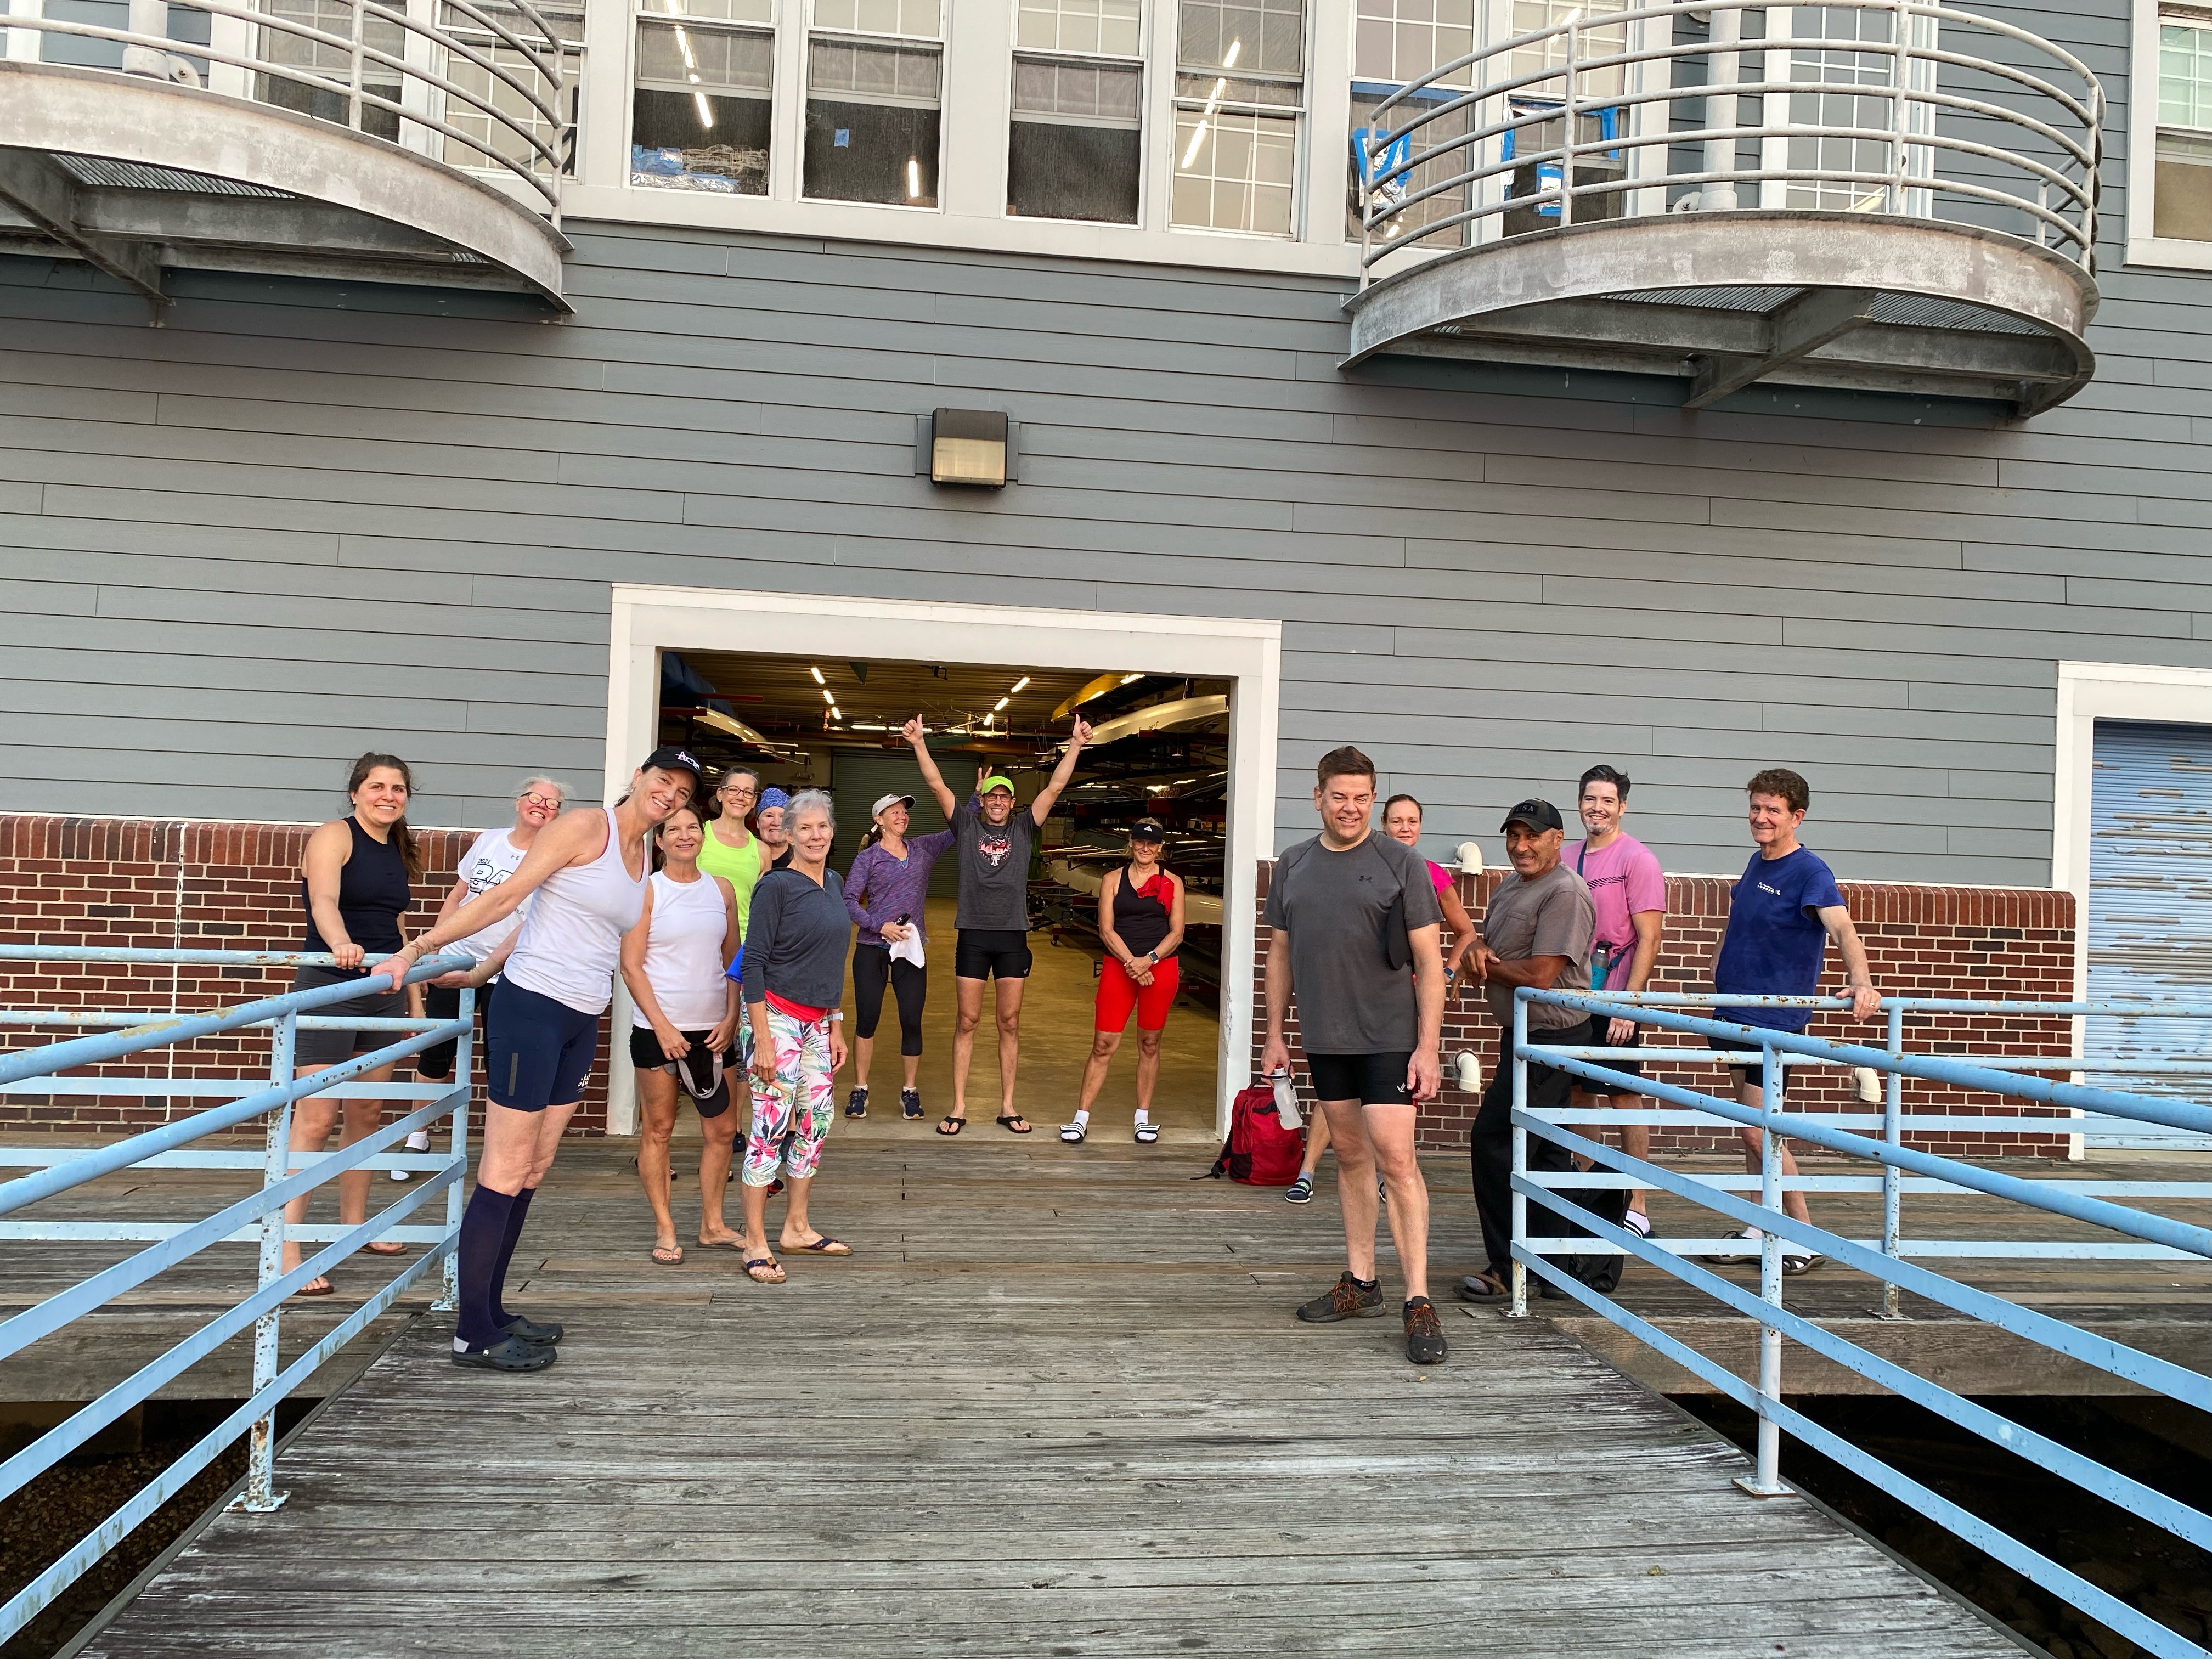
(1893, 107)
(1546, 1190)
(487, 86)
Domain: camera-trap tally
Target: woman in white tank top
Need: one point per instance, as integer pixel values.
(588, 872)
(676, 962)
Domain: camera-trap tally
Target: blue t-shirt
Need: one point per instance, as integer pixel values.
(1774, 942)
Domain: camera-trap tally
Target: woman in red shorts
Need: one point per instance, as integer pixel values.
(1140, 922)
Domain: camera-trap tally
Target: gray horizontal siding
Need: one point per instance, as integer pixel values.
(297, 523)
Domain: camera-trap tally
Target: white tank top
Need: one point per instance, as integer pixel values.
(684, 952)
(571, 941)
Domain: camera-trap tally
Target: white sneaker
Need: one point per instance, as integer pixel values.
(417, 1142)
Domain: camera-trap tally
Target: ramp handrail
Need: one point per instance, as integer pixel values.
(1884, 1260)
(258, 1217)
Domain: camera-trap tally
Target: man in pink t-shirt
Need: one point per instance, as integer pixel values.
(1629, 892)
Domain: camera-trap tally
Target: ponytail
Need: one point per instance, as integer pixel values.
(410, 854)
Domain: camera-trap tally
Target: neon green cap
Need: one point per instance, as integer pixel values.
(995, 782)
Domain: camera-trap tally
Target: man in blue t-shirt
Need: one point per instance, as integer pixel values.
(1781, 914)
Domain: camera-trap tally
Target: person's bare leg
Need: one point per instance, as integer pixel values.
(863, 1055)
(1009, 1040)
(1390, 1138)
(1636, 1141)
(797, 1233)
(966, 1015)
(1102, 1045)
(313, 1119)
(1355, 1184)
(717, 1146)
(656, 1123)
(552, 1124)
(1316, 1144)
(755, 1209)
(1793, 1204)
(1148, 1068)
(359, 1119)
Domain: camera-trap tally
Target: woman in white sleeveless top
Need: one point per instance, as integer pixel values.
(676, 961)
(588, 872)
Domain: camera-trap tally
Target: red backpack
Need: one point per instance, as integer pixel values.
(1259, 1152)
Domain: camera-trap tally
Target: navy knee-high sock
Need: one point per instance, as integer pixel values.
(483, 1230)
(515, 1217)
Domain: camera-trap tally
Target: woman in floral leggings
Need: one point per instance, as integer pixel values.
(794, 978)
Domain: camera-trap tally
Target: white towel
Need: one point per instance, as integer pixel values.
(910, 948)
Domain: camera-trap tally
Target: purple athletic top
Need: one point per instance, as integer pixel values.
(879, 888)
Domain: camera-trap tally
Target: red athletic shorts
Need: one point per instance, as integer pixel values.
(1118, 994)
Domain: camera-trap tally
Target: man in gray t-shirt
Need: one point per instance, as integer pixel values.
(1354, 926)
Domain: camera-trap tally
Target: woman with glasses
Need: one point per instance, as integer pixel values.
(731, 850)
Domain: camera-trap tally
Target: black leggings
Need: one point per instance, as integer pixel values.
(872, 967)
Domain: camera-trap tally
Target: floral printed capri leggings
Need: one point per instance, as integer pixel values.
(791, 1118)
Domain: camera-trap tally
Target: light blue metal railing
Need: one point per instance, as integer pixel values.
(257, 1218)
(1903, 1169)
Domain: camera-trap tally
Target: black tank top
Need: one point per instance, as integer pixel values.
(1141, 919)
(373, 895)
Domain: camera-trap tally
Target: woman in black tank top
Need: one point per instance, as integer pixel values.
(1140, 924)
(356, 880)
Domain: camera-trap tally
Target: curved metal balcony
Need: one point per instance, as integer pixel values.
(350, 139)
(1881, 195)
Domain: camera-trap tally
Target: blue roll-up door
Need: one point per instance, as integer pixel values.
(2150, 908)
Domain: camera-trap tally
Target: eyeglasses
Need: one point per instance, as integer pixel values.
(550, 805)
(742, 795)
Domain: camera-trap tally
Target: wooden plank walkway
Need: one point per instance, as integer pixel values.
(1056, 1405)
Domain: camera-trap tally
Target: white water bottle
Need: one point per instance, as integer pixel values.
(1287, 1103)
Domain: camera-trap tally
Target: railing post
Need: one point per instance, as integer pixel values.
(1520, 1307)
(449, 1289)
(1900, 107)
(261, 1494)
(353, 98)
(1718, 196)
(1893, 1188)
(1767, 1481)
(1567, 147)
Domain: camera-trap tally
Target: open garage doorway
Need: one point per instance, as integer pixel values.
(809, 691)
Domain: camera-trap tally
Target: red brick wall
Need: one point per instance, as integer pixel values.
(1977, 942)
(171, 886)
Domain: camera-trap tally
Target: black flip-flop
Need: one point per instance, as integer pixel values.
(824, 1245)
(509, 1354)
(1010, 1119)
(952, 1126)
(1485, 1288)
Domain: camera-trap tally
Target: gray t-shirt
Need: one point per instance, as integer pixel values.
(1550, 916)
(1350, 1000)
(994, 868)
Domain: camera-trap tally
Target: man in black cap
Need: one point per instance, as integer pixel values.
(1536, 930)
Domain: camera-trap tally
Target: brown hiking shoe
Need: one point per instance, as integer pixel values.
(1345, 1299)
(1425, 1338)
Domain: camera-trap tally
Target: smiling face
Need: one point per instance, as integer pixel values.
(536, 807)
(681, 837)
(811, 835)
(997, 806)
(381, 798)
(893, 819)
(659, 792)
(1346, 802)
(1532, 851)
(1143, 854)
(1773, 822)
(771, 825)
(737, 794)
(1403, 823)
(1600, 808)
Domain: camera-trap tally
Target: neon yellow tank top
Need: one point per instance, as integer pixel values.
(739, 865)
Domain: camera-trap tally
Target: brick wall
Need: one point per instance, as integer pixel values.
(1976, 942)
(171, 886)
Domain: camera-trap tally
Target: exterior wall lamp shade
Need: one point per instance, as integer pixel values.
(968, 446)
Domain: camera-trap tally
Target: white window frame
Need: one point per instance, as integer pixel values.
(2144, 245)
(1302, 116)
(1143, 63)
(645, 621)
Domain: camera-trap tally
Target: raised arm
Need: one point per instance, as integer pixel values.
(1858, 978)
(1041, 808)
(943, 791)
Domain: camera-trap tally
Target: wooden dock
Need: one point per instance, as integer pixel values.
(1056, 1405)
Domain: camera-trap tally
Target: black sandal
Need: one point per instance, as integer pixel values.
(509, 1354)
(952, 1126)
(1011, 1119)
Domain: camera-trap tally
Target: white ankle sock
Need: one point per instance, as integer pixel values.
(1143, 1116)
(1083, 1117)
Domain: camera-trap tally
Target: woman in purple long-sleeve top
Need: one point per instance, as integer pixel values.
(883, 892)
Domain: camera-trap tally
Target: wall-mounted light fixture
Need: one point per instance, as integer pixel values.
(972, 446)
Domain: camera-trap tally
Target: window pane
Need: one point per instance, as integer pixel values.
(676, 59)
(1234, 90)
(2183, 187)
(1234, 171)
(1060, 170)
(1262, 37)
(698, 141)
(1597, 40)
(1367, 127)
(734, 11)
(872, 123)
(917, 18)
(1402, 40)
(2184, 75)
(1108, 27)
(1097, 94)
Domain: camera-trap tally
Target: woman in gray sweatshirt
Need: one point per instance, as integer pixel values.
(794, 978)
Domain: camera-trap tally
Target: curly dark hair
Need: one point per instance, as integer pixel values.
(1795, 793)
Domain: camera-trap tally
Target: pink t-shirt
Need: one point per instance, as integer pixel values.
(1439, 875)
(1624, 879)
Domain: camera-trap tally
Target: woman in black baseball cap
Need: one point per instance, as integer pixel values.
(589, 872)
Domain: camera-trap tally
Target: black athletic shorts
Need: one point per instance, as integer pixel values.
(992, 952)
(693, 1072)
(1755, 1075)
(538, 1051)
(1596, 1038)
(1371, 1079)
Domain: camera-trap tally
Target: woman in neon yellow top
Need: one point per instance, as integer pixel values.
(730, 850)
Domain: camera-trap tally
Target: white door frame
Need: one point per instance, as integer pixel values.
(647, 620)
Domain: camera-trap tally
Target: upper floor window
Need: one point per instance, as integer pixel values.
(1240, 95)
(875, 73)
(1396, 43)
(1075, 147)
(699, 114)
(2181, 184)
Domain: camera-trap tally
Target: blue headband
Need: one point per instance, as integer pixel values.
(774, 798)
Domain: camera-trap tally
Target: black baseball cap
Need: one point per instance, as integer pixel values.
(1148, 830)
(669, 758)
(1536, 814)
